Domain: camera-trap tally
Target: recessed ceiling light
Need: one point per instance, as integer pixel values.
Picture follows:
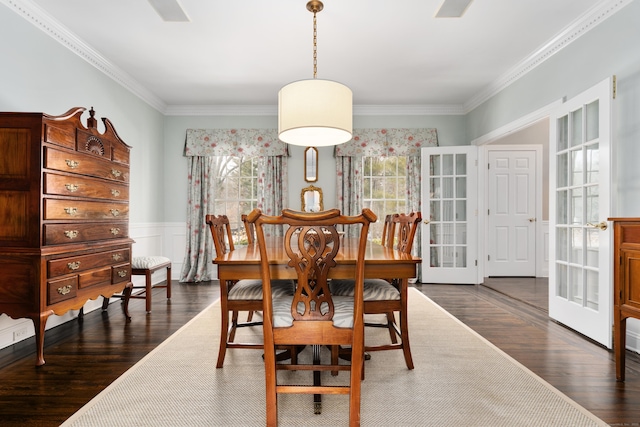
(453, 8)
(170, 10)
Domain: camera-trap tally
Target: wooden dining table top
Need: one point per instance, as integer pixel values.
(380, 261)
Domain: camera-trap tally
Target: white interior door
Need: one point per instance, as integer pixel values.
(450, 214)
(580, 292)
(511, 222)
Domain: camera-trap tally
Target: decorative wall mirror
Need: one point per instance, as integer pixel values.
(311, 164)
(311, 198)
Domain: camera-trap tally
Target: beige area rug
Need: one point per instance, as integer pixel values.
(460, 379)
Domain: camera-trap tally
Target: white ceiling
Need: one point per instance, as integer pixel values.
(389, 52)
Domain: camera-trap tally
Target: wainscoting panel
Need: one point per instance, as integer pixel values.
(159, 239)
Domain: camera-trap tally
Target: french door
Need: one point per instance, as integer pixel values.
(580, 293)
(449, 214)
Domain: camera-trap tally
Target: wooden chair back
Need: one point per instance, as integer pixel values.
(388, 232)
(311, 244)
(221, 232)
(406, 226)
(249, 228)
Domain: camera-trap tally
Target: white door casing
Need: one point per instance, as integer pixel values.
(450, 215)
(580, 289)
(512, 212)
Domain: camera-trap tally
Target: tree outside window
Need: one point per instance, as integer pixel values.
(236, 181)
(384, 189)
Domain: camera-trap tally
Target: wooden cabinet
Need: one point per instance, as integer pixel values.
(64, 215)
(626, 283)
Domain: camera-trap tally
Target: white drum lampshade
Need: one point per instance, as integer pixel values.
(315, 113)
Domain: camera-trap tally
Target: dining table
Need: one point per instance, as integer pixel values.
(380, 262)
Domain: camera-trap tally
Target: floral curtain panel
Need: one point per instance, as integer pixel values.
(381, 143)
(200, 147)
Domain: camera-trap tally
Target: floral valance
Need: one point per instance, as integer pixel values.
(388, 142)
(265, 142)
(234, 142)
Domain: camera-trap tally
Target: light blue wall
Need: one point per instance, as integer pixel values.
(38, 74)
(609, 49)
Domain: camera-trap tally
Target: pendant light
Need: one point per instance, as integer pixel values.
(315, 112)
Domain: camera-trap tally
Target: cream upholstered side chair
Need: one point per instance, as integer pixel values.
(236, 296)
(389, 295)
(312, 316)
(145, 266)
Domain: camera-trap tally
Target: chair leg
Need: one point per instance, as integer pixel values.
(271, 383)
(147, 296)
(234, 326)
(404, 324)
(391, 320)
(224, 331)
(169, 282)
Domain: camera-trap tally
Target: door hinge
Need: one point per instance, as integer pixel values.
(488, 165)
(614, 89)
(476, 263)
(488, 211)
(488, 257)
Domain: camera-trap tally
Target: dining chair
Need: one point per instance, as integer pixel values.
(388, 231)
(237, 296)
(249, 228)
(389, 295)
(312, 316)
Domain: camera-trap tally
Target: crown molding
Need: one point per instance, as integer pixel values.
(587, 21)
(45, 22)
(272, 110)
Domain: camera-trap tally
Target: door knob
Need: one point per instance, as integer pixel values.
(602, 225)
(426, 221)
(532, 220)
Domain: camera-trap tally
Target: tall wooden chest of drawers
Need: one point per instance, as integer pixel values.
(64, 215)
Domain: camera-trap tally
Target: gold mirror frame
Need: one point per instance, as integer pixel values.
(311, 164)
(311, 199)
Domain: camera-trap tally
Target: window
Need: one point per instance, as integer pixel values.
(236, 193)
(384, 188)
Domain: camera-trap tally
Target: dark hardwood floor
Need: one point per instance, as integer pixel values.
(83, 358)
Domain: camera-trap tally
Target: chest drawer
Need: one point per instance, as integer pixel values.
(78, 186)
(100, 276)
(62, 289)
(121, 273)
(59, 234)
(55, 209)
(83, 164)
(81, 263)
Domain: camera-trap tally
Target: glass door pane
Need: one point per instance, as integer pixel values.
(446, 207)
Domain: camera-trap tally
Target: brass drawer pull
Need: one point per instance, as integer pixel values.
(63, 290)
(116, 172)
(74, 265)
(71, 234)
(117, 257)
(115, 212)
(71, 187)
(122, 273)
(71, 211)
(72, 163)
(115, 231)
(115, 193)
